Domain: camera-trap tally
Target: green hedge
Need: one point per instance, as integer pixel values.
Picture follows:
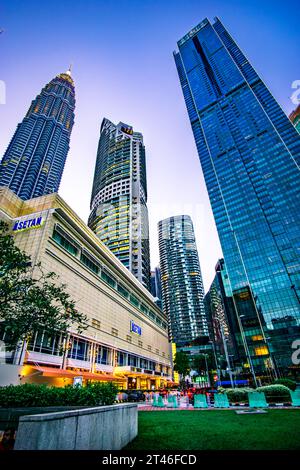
(291, 384)
(41, 395)
(275, 392)
(236, 395)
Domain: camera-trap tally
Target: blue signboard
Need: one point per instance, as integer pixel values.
(135, 328)
(236, 382)
(34, 222)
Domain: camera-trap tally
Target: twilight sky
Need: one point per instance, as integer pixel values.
(123, 69)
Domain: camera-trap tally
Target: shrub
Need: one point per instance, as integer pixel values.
(236, 394)
(94, 394)
(275, 392)
(291, 384)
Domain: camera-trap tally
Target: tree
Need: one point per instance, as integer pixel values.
(199, 363)
(31, 299)
(181, 363)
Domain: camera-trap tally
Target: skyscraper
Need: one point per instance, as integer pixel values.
(119, 214)
(33, 163)
(221, 316)
(182, 286)
(250, 155)
(155, 282)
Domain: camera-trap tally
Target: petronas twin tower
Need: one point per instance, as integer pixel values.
(33, 163)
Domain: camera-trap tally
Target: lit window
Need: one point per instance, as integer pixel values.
(261, 351)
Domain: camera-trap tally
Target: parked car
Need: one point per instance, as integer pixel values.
(136, 395)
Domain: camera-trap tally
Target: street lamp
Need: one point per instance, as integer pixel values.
(274, 366)
(226, 354)
(208, 379)
(214, 351)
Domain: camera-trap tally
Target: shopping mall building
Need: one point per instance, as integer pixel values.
(126, 341)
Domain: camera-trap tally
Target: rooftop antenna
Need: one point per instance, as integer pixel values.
(69, 69)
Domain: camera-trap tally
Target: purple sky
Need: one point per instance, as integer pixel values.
(123, 70)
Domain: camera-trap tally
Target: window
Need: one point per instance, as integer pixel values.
(79, 350)
(143, 308)
(96, 323)
(132, 360)
(134, 300)
(64, 240)
(86, 260)
(108, 279)
(257, 338)
(152, 315)
(261, 351)
(121, 359)
(123, 291)
(102, 356)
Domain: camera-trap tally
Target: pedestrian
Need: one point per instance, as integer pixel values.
(8, 440)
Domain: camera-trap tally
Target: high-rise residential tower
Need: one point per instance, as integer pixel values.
(33, 163)
(182, 286)
(250, 156)
(119, 214)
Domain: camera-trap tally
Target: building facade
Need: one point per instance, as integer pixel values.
(295, 118)
(34, 160)
(119, 214)
(182, 286)
(222, 319)
(250, 155)
(126, 341)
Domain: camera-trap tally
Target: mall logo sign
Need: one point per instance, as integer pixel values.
(35, 222)
(135, 328)
(296, 353)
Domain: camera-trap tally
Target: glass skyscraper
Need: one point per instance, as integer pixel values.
(250, 155)
(119, 214)
(182, 286)
(221, 316)
(155, 284)
(33, 163)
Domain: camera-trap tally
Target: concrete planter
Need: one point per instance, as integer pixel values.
(9, 417)
(99, 428)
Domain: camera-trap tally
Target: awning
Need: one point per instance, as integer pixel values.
(55, 372)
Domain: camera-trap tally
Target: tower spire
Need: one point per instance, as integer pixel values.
(69, 69)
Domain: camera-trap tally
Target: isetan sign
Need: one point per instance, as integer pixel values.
(26, 224)
(135, 328)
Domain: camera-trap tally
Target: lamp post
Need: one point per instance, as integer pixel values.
(274, 366)
(206, 365)
(226, 354)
